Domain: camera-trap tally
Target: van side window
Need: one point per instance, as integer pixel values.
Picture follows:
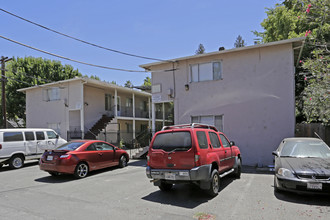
(214, 140)
(40, 135)
(51, 134)
(12, 136)
(29, 136)
(202, 141)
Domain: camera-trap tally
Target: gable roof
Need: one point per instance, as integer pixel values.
(297, 45)
(87, 81)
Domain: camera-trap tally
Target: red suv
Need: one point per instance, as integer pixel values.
(195, 153)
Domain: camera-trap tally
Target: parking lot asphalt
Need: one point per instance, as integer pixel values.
(116, 193)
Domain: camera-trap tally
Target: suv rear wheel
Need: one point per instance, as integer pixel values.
(165, 186)
(214, 183)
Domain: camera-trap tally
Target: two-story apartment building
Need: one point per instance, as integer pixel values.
(247, 92)
(91, 109)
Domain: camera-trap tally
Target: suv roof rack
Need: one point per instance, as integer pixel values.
(193, 125)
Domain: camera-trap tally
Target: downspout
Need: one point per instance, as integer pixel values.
(82, 111)
(133, 100)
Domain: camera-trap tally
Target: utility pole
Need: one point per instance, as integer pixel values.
(3, 89)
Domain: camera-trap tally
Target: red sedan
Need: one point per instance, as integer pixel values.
(80, 157)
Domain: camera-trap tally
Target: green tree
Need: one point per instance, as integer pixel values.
(147, 81)
(27, 72)
(128, 84)
(239, 42)
(146, 86)
(200, 49)
(309, 18)
(316, 95)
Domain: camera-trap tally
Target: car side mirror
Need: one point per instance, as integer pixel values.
(275, 153)
(57, 136)
(232, 143)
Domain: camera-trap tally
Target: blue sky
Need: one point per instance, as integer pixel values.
(159, 29)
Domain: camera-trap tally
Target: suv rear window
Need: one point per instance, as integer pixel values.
(180, 140)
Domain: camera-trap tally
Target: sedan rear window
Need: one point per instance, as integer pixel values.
(169, 141)
(70, 146)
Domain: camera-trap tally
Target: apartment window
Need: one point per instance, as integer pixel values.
(107, 98)
(129, 128)
(206, 71)
(51, 94)
(215, 120)
(143, 106)
(129, 102)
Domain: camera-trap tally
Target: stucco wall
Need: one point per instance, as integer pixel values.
(255, 97)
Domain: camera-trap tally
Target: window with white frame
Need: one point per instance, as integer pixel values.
(215, 120)
(51, 94)
(129, 102)
(107, 102)
(206, 71)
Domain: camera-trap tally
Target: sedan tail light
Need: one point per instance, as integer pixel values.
(65, 156)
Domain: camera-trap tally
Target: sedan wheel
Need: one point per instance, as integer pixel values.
(81, 170)
(122, 161)
(16, 162)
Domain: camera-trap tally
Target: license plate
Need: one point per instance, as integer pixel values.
(49, 157)
(317, 186)
(170, 176)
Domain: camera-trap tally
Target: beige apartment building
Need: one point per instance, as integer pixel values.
(248, 93)
(86, 108)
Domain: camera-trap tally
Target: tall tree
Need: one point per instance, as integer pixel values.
(309, 18)
(147, 82)
(200, 49)
(128, 84)
(239, 42)
(27, 72)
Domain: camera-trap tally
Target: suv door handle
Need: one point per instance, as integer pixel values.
(100, 154)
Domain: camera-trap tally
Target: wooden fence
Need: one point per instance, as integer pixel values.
(308, 130)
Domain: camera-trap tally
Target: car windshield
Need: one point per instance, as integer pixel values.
(70, 146)
(180, 140)
(305, 149)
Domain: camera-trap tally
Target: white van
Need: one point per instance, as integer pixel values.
(19, 144)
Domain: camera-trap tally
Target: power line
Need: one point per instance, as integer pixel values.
(72, 60)
(77, 39)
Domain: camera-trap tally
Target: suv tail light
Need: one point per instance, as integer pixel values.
(0, 146)
(197, 157)
(148, 160)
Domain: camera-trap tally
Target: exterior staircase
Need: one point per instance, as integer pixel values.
(140, 152)
(98, 127)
